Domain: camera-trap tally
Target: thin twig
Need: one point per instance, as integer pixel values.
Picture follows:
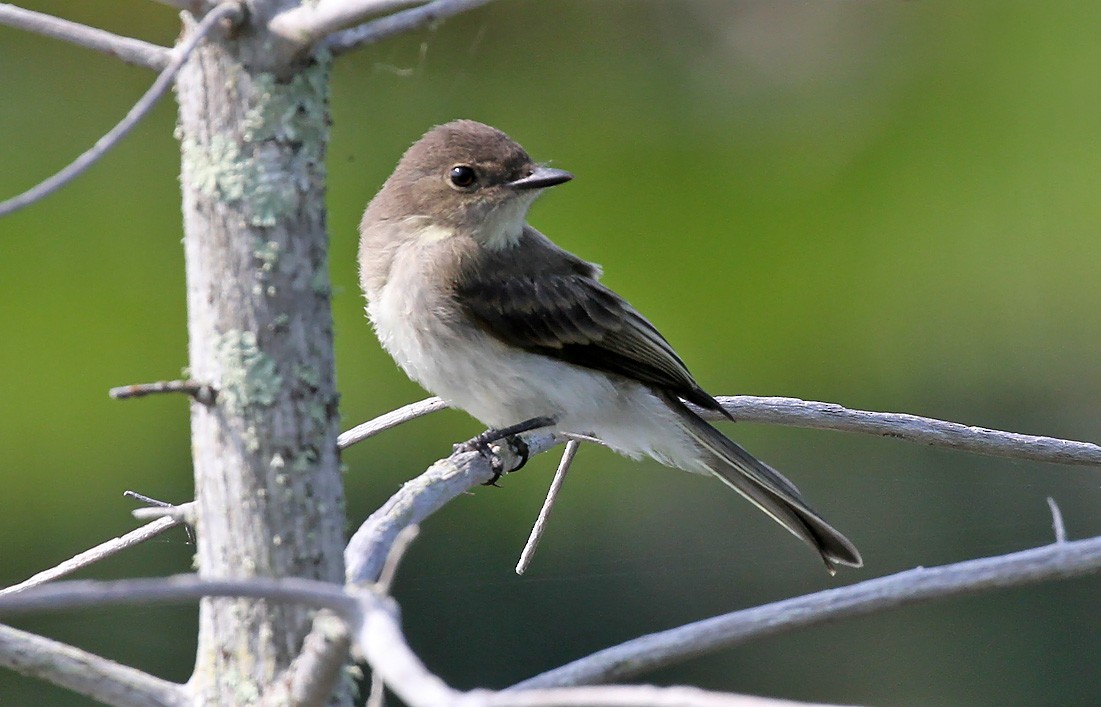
(793, 412)
(74, 594)
(632, 696)
(227, 11)
(393, 560)
(377, 696)
(85, 673)
(147, 500)
(399, 23)
(132, 51)
(544, 513)
(309, 23)
(1057, 521)
(583, 438)
(184, 513)
(391, 419)
(95, 554)
(641, 655)
(203, 393)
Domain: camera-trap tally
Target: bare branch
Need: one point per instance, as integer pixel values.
(391, 419)
(399, 23)
(97, 553)
(372, 617)
(381, 641)
(393, 560)
(186, 587)
(1057, 521)
(85, 673)
(183, 513)
(631, 696)
(912, 428)
(132, 51)
(656, 650)
(544, 512)
(377, 632)
(202, 392)
(308, 681)
(193, 6)
(227, 11)
(308, 24)
(793, 412)
(421, 497)
(377, 696)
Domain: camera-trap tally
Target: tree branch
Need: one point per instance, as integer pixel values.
(381, 641)
(793, 412)
(450, 477)
(422, 496)
(378, 633)
(85, 673)
(308, 681)
(132, 51)
(307, 24)
(227, 11)
(391, 419)
(95, 554)
(544, 513)
(201, 392)
(631, 696)
(193, 6)
(1059, 561)
(187, 587)
(398, 23)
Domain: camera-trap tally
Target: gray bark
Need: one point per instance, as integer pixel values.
(268, 488)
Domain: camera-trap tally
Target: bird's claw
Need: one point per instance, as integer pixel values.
(481, 444)
(520, 448)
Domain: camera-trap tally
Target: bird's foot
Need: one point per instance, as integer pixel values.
(511, 435)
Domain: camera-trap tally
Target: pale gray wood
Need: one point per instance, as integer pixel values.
(269, 494)
(132, 51)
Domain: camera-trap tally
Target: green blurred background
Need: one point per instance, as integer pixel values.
(891, 205)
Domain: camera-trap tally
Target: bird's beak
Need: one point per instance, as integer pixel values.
(541, 177)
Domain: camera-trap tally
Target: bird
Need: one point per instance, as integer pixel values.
(483, 310)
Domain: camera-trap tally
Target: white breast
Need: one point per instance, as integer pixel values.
(500, 385)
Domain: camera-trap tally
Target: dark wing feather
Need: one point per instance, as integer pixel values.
(552, 304)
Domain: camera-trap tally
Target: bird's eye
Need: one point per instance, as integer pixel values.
(463, 176)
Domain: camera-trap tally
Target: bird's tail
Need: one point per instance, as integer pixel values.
(766, 489)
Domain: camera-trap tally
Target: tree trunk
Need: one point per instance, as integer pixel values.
(267, 473)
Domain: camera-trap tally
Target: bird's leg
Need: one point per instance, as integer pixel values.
(481, 442)
(510, 434)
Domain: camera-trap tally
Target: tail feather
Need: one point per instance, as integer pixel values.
(767, 489)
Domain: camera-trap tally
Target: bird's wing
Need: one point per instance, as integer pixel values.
(553, 305)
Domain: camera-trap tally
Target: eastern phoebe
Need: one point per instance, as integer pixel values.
(486, 312)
